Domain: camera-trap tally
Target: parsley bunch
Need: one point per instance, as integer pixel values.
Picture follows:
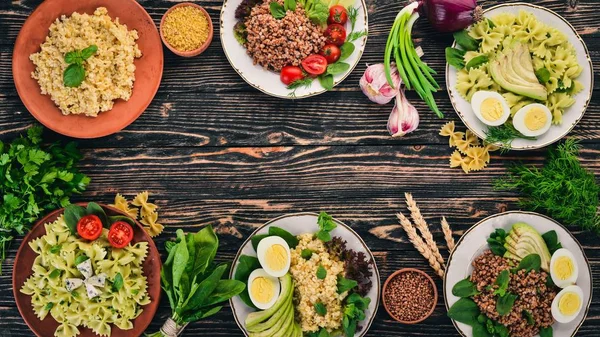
(34, 179)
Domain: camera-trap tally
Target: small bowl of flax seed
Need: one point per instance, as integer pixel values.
(409, 296)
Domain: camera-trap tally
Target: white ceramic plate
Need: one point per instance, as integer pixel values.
(268, 81)
(301, 223)
(571, 116)
(473, 243)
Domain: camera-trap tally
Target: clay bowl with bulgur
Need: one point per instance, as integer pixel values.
(106, 91)
(305, 273)
(294, 48)
(518, 274)
(409, 295)
(186, 29)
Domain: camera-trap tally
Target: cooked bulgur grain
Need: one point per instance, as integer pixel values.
(275, 44)
(109, 72)
(310, 289)
(185, 28)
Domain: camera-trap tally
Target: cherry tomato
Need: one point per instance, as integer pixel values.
(291, 74)
(335, 34)
(120, 234)
(331, 52)
(314, 64)
(89, 227)
(337, 14)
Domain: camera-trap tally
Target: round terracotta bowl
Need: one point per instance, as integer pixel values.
(148, 72)
(410, 270)
(198, 50)
(22, 271)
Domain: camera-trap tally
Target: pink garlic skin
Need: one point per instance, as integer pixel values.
(404, 118)
(375, 86)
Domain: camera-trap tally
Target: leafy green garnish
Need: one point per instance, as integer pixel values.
(302, 83)
(502, 281)
(240, 33)
(337, 68)
(320, 309)
(465, 310)
(354, 312)
(562, 188)
(49, 306)
(55, 273)
(316, 10)
(326, 225)
(546, 332)
(289, 5)
(477, 62)
(529, 263)
(504, 136)
(543, 75)
(55, 249)
(464, 288)
(246, 265)
(326, 81)
(344, 284)
(356, 35)
(346, 50)
(321, 272)
(464, 40)
(529, 317)
(496, 241)
(277, 10)
(306, 254)
(551, 239)
(36, 178)
(80, 259)
(505, 303)
(117, 282)
(455, 57)
(75, 72)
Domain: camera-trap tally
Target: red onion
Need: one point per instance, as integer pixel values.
(450, 15)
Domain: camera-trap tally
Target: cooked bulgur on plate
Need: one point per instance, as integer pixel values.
(110, 72)
(310, 290)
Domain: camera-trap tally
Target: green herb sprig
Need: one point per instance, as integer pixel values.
(326, 225)
(36, 178)
(562, 188)
(75, 72)
(504, 136)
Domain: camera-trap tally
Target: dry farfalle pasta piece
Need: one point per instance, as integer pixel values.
(151, 224)
(457, 160)
(479, 152)
(471, 138)
(141, 201)
(455, 138)
(122, 204)
(448, 129)
(470, 154)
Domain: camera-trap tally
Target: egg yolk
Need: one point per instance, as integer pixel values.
(535, 119)
(262, 290)
(569, 304)
(276, 257)
(563, 267)
(491, 109)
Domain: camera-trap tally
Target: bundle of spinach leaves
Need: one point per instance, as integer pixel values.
(34, 178)
(195, 285)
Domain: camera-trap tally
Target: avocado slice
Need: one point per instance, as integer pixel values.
(280, 324)
(524, 240)
(260, 316)
(512, 69)
(276, 319)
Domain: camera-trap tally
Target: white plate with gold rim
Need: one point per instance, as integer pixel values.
(571, 116)
(268, 81)
(300, 223)
(473, 243)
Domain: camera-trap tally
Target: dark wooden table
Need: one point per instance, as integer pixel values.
(213, 150)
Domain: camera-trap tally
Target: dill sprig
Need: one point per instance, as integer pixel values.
(504, 135)
(562, 188)
(305, 82)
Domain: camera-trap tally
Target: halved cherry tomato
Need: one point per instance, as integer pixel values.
(120, 234)
(89, 227)
(337, 14)
(331, 52)
(335, 34)
(314, 64)
(291, 74)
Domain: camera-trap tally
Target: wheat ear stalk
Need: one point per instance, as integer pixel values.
(420, 223)
(420, 245)
(447, 234)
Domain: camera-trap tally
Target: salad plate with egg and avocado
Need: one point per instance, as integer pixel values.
(521, 78)
(528, 276)
(306, 274)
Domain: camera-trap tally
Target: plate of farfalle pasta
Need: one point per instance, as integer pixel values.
(520, 78)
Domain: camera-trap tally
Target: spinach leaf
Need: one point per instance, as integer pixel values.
(246, 265)
(55, 249)
(201, 314)
(543, 75)
(480, 330)
(477, 62)
(55, 273)
(321, 273)
(528, 317)
(346, 50)
(290, 238)
(502, 281)
(501, 330)
(464, 40)
(320, 309)
(180, 258)
(344, 284)
(496, 241)
(72, 215)
(337, 68)
(455, 57)
(49, 306)
(306, 254)
(505, 304)
(277, 10)
(529, 263)
(326, 225)
(114, 218)
(117, 282)
(207, 244)
(326, 81)
(95, 209)
(465, 310)
(464, 288)
(80, 259)
(224, 290)
(551, 239)
(197, 299)
(289, 5)
(256, 240)
(546, 332)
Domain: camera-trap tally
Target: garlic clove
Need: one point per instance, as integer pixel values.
(375, 86)
(404, 117)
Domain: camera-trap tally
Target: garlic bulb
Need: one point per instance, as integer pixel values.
(404, 117)
(375, 86)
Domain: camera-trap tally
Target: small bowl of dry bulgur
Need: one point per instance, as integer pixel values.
(186, 29)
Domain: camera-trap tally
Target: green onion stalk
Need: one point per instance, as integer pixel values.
(415, 73)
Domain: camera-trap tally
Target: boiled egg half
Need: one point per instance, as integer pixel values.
(263, 289)
(274, 255)
(490, 107)
(563, 268)
(567, 304)
(533, 120)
